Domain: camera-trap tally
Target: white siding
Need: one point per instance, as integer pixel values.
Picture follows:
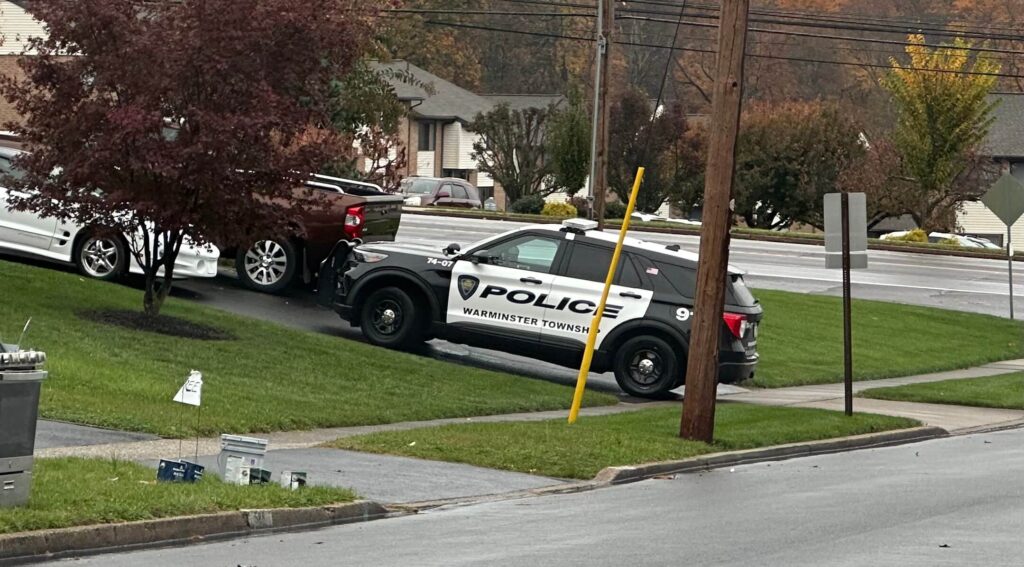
(425, 163)
(975, 218)
(17, 27)
(458, 147)
(484, 180)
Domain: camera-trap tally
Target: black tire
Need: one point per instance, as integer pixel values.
(268, 266)
(389, 318)
(647, 367)
(101, 256)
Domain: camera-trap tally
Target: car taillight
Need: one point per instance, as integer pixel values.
(355, 218)
(737, 324)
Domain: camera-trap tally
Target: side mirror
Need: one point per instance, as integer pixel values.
(444, 195)
(480, 257)
(451, 249)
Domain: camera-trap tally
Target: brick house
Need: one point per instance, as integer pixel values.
(435, 132)
(17, 26)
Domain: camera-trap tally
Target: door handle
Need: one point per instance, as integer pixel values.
(534, 281)
(631, 294)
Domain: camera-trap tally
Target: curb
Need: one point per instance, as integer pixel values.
(622, 475)
(89, 540)
(734, 235)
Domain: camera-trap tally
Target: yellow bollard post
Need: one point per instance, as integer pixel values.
(588, 353)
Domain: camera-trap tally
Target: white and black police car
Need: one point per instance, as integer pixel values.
(533, 292)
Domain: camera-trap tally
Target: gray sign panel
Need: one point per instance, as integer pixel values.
(1006, 199)
(858, 212)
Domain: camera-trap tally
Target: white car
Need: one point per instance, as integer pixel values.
(96, 255)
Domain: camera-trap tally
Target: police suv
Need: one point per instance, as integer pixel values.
(533, 291)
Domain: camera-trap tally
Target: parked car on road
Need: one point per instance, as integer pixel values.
(353, 210)
(440, 192)
(97, 253)
(533, 291)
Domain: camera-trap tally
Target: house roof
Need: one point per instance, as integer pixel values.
(448, 101)
(1006, 135)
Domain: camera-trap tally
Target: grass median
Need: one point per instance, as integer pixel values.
(801, 340)
(268, 378)
(1003, 392)
(76, 492)
(554, 448)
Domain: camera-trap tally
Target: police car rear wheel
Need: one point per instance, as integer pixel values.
(389, 319)
(646, 367)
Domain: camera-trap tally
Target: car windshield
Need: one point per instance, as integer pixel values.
(418, 186)
(7, 169)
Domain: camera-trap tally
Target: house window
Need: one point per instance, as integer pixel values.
(458, 173)
(428, 137)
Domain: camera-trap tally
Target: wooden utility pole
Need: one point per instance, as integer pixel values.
(698, 421)
(607, 8)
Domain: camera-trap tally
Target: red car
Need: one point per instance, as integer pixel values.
(356, 210)
(440, 192)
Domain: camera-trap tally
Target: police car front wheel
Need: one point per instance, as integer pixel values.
(647, 367)
(389, 319)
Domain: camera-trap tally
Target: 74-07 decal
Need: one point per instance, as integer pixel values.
(440, 262)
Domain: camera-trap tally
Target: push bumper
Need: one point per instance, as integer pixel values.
(330, 280)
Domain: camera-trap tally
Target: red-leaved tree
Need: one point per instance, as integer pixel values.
(177, 120)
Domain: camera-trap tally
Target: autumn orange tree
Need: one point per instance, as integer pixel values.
(943, 113)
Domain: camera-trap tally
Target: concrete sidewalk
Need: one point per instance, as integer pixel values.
(955, 419)
(394, 480)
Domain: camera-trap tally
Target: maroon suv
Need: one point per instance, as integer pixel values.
(355, 210)
(440, 192)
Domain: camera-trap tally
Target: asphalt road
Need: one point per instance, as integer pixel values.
(954, 501)
(963, 284)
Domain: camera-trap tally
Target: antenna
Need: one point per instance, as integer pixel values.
(23, 331)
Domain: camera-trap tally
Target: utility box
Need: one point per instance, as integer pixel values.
(239, 456)
(20, 381)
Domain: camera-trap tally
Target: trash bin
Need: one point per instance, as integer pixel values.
(239, 456)
(20, 381)
(490, 204)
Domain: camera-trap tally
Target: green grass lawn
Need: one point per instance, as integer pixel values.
(1005, 391)
(76, 492)
(270, 379)
(554, 448)
(801, 339)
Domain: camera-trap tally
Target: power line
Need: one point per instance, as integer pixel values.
(706, 25)
(709, 51)
(843, 21)
(836, 37)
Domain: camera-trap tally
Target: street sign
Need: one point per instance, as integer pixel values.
(846, 247)
(858, 224)
(1006, 199)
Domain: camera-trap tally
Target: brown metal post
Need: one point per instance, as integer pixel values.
(847, 311)
(698, 420)
(601, 183)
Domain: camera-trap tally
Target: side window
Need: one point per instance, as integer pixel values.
(533, 253)
(446, 188)
(458, 192)
(628, 276)
(589, 262)
(683, 280)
